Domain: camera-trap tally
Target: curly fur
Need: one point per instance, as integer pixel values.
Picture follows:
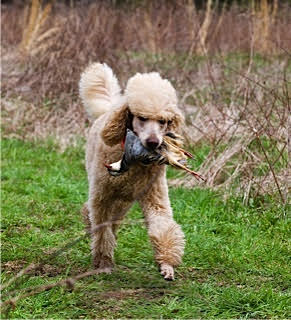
(146, 95)
(99, 89)
(115, 129)
(150, 96)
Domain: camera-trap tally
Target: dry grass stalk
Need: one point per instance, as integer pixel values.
(214, 165)
(31, 38)
(271, 167)
(264, 15)
(39, 123)
(32, 24)
(191, 14)
(192, 18)
(219, 23)
(22, 272)
(204, 29)
(150, 32)
(69, 282)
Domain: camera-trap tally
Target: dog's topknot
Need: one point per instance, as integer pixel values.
(150, 96)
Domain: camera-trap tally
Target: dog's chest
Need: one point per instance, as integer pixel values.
(133, 184)
(130, 185)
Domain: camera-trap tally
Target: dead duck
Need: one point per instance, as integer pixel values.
(170, 152)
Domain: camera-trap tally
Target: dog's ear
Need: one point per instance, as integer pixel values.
(114, 130)
(175, 124)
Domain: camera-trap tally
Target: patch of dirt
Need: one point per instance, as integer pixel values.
(54, 270)
(48, 270)
(139, 293)
(41, 270)
(13, 266)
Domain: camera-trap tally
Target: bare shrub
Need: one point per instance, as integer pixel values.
(246, 128)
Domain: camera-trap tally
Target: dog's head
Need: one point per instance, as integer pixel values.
(150, 110)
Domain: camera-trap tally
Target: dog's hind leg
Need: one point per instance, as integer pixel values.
(85, 214)
(102, 236)
(105, 219)
(99, 237)
(165, 234)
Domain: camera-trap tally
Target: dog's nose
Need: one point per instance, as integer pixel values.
(152, 143)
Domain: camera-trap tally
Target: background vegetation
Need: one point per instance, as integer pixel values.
(230, 67)
(230, 63)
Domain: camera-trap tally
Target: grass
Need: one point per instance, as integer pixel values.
(236, 261)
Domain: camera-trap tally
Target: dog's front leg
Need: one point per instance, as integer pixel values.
(165, 234)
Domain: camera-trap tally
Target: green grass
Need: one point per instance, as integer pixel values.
(235, 263)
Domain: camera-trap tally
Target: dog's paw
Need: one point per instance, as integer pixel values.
(107, 270)
(167, 271)
(104, 264)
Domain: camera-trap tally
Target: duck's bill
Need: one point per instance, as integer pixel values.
(114, 168)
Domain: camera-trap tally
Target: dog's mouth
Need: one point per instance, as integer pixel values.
(150, 143)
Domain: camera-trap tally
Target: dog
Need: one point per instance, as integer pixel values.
(149, 108)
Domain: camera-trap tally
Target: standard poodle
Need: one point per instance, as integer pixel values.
(149, 108)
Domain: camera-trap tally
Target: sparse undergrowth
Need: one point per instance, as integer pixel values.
(236, 106)
(235, 263)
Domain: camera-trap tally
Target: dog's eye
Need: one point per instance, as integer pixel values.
(162, 121)
(170, 122)
(142, 119)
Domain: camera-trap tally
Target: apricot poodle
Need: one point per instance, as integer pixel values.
(149, 108)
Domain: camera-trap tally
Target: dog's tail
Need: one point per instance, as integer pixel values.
(99, 89)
